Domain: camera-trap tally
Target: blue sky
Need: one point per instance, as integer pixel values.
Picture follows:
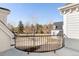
(42, 12)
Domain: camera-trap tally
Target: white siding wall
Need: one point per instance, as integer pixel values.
(6, 36)
(71, 25)
(4, 41)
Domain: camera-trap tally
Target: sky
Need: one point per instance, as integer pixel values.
(28, 13)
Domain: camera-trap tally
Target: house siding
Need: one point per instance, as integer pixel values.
(6, 36)
(72, 25)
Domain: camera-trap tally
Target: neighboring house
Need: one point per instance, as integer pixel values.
(70, 14)
(57, 29)
(6, 36)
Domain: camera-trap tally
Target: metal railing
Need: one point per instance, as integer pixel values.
(44, 42)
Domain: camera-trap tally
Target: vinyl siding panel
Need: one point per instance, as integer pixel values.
(73, 25)
(6, 38)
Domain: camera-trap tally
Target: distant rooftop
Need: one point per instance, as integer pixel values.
(58, 25)
(4, 8)
(68, 3)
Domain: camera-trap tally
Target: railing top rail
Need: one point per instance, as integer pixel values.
(32, 35)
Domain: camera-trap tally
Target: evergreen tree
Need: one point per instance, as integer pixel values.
(20, 27)
(39, 29)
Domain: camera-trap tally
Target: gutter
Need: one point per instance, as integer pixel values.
(67, 6)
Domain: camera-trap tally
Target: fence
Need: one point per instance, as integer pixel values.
(38, 42)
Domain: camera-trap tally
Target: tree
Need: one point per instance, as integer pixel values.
(20, 27)
(33, 29)
(39, 29)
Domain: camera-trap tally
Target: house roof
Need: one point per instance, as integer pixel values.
(68, 5)
(4, 9)
(58, 24)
